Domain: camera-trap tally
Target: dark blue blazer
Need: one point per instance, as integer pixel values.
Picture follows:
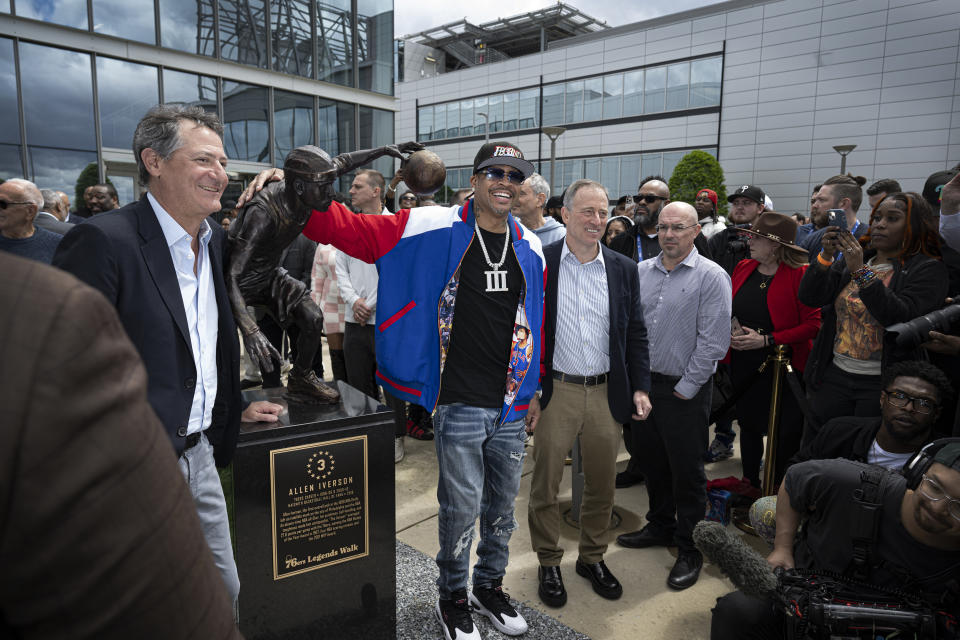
(629, 357)
(124, 255)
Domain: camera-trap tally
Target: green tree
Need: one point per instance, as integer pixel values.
(698, 170)
(87, 177)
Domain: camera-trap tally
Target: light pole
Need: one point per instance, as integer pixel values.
(844, 150)
(486, 126)
(553, 133)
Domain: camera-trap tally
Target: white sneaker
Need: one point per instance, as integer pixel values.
(495, 604)
(398, 449)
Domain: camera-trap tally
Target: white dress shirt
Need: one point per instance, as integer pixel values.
(358, 279)
(200, 305)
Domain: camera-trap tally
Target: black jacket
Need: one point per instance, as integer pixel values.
(724, 253)
(626, 244)
(629, 357)
(918, 286)
(125, 256)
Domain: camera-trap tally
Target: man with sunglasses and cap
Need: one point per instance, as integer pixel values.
(460, 288)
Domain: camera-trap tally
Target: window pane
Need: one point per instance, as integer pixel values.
(592, 99)
(629, 172)
(466, 117)
(187, 25)
(553, 105)
(528, 108)
(573, 102)
(9, 111)
(654, 89)
(480, 122)
(292, 122)
(651, 165)
(633, 93)
(69, 13)
(670, 160)
(375, 45)
(453, 119)
(610, 175)
(60, 113)
(439, 122)
(58, 169)
(705, 82)
(572, 170)
(591, 170)
(124, 186)
(376, 130)
(126, 91)
(335, 41)
(495, 109)
(4, 6)
(245, 130)
(10, 164)
(292, 40)
(191, 89)
(424, 123)
(678, 85)
(243, 33)
(613, 96)
(511, 110)
(130, 19)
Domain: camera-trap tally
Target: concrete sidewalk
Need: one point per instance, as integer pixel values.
(647, 610)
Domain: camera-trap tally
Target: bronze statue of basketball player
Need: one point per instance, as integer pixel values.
(264, 228)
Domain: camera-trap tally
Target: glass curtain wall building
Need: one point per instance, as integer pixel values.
(79, 75)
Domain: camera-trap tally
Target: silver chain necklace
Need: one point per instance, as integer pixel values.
(496, 278)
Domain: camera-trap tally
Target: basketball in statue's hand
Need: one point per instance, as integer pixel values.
(424, 172)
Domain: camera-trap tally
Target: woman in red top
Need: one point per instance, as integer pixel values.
(766, 305)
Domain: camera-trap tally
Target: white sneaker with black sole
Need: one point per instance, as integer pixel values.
(455, 619)
(495, 604)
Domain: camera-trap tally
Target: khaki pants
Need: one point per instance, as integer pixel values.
(574, 410)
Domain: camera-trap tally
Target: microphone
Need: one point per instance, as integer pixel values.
(746, 568)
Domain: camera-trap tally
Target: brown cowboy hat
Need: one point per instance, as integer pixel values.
(778, 227)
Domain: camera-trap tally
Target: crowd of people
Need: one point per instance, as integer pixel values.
(507, 314)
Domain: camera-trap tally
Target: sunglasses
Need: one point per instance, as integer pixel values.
(648, 197)
(495, 174)
(4, 203)
(408, 198)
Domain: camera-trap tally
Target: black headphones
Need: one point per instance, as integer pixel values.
(920, 462)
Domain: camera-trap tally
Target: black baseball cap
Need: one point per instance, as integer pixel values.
(750, 192)
(502, 152)
(933, 185)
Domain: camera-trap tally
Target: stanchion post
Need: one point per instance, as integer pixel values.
(781, 362)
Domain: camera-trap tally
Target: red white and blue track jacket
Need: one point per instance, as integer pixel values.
(418, 255)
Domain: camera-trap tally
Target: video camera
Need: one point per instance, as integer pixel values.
(915, 332)
(825, 606)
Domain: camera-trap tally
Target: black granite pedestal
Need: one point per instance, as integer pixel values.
(315, 521)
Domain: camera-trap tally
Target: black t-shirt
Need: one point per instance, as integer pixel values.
(475, 372)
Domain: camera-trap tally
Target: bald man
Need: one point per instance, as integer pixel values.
(686, 302)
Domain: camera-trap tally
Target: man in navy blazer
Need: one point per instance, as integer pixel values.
(160, 263)
(595, 376)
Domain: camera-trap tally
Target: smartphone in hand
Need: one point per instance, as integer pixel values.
(837, 218)
(735, 328)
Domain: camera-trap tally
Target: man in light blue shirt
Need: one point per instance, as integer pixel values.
(686, 302)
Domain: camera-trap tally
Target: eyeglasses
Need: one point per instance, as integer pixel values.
(704, 197)
(920, 405)
(495, 174)
(676, 228)
(5, 203)
(402, 198)
(932, 491)
(649, 198)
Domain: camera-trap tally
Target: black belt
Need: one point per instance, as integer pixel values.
(660, 377)
(587, 381)
(192, 441)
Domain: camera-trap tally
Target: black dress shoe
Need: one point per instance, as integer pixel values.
(646, 537)
(551, 590)
(628, 479)
(685, 570)
(604, 583)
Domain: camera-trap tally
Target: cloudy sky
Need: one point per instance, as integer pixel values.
(413, 16)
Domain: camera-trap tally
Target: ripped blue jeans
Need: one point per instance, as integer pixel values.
(480, 465)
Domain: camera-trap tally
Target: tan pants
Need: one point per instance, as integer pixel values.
(574, 410)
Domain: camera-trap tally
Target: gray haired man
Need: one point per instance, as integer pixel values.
(531, 206)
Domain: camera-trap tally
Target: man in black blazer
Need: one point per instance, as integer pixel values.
(596, 375)
(160, 264)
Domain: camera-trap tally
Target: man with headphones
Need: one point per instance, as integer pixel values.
(885, 529)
